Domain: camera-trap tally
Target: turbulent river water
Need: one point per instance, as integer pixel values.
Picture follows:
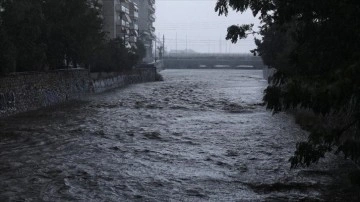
(201, 135)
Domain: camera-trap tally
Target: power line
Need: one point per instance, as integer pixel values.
(186, 0)
(206, 40)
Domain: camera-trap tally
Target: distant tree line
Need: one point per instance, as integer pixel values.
(315, 48)
(54, 34)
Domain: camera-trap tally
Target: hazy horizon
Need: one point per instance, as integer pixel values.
(194, 25)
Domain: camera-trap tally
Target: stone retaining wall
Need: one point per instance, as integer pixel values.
(29, 91)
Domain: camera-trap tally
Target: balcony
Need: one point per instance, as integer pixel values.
(145, 34)
(134, 30)
(133, 39)
(122, 23)
(134, 33)
(121, 9)
(125, 10)
(134, 6)
(134, 26)
(125, 31)
(152, 17)
(126, 17)
(134, 14)
(152, 28)
(151, 9)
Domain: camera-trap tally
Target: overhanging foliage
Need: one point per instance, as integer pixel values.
(314, 47)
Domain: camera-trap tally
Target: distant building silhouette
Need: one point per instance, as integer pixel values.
(182, 52)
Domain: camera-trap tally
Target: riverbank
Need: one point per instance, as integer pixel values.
(28, 91)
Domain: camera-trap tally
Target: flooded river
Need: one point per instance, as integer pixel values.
(201, 135)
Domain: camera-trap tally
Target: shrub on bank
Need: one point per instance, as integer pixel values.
(159, 77)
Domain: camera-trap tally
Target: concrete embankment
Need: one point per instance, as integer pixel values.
(101, 82)
(23, 92)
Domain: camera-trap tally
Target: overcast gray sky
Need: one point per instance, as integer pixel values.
(194, 24)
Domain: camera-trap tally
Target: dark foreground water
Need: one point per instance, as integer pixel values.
(199, 136)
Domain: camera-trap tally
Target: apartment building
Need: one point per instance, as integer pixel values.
(120, 20)
(131, 20)
(146, 26)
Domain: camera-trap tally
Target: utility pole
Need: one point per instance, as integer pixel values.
(230, 48)
(226, 48)
(176, 50)
(155, 47)
(163, 45)
(220, 45)
(186, 48)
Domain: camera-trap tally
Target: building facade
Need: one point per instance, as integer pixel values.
(120, 20)
(146, 26)
(130, 20)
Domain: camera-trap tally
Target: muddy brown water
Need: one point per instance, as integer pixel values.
(201, 135)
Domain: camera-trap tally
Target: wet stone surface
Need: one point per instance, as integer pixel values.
(198, 136)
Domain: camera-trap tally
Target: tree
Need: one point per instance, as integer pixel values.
(74, 31)
(114, 56)
(22, 22)
(36, 35)
(140, 50)
(314, 47)
(51, 34)
(7, 52)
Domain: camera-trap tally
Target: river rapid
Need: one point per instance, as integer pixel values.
(201, 135)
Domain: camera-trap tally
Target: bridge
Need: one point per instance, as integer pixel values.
(215, 61)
